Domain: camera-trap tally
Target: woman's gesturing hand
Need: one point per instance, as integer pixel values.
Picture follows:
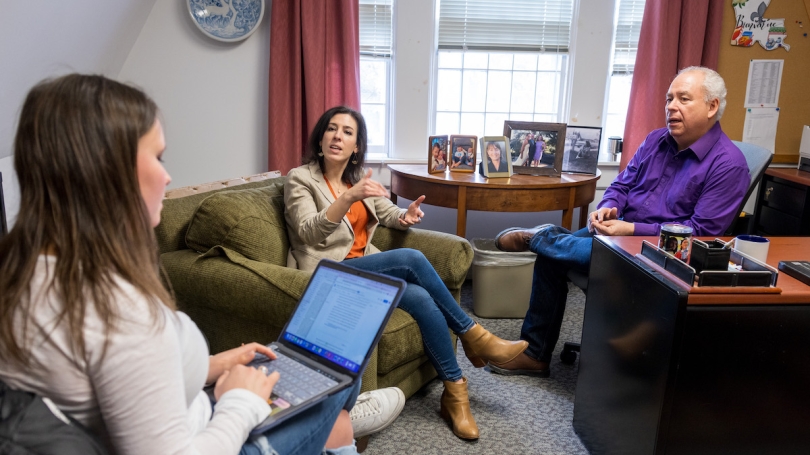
(414, 214)
(366, 187)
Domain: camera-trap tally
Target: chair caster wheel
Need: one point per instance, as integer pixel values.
(568, 357)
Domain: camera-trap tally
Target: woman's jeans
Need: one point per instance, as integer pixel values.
(307, 432)
(427, 300)
(558, 251)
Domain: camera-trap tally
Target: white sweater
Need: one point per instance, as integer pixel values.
(145, 397)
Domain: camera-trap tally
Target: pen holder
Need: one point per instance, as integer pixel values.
(709, 255)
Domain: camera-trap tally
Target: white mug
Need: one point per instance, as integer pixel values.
(753, 245)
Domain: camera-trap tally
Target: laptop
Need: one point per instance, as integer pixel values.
(326, 344)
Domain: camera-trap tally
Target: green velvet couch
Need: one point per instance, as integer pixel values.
(223, 247)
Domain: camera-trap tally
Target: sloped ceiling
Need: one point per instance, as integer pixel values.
(45, 38)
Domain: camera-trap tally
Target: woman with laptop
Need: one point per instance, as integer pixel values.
(332, 208)
(84, 318)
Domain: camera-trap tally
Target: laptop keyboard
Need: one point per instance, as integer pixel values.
(297, 382)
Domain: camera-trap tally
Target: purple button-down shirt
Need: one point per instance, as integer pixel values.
(701, 186)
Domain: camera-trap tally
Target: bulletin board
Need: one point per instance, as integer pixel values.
(794, 96)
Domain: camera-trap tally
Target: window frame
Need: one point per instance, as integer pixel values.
(562, 97)
(378, 52)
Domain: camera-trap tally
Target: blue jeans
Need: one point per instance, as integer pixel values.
(427, 300)
(558, 251)
(307, 432)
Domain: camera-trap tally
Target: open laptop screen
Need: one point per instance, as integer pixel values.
(338, 316)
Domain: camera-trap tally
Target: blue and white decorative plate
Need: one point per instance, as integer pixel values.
(227, 20)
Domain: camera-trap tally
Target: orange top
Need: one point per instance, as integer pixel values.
(358, 218)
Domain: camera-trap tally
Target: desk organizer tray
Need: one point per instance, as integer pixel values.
(709, 255)
(748, 274)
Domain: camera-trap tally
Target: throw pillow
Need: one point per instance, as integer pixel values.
(250, 222)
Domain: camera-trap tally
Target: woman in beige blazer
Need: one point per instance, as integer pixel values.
(332, 210)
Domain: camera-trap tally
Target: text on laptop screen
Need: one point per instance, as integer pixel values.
(336, 315)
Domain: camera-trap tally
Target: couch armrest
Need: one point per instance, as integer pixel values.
(449, 254)
(232, 299)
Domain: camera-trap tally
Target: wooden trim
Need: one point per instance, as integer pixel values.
(206, 187)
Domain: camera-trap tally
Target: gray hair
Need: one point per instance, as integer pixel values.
(714, 87)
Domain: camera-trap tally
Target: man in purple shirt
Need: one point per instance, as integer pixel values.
(689, 173)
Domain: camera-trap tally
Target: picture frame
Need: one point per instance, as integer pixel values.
(582, 149)
(522, 147)
(462, 153)
(437, 154)
(494, 161)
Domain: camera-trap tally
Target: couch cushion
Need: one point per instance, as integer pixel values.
(250, 222)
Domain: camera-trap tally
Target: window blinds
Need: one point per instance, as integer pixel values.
(628, 27)
(375, 27)
(510, 25)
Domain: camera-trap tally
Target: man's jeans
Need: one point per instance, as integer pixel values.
(558, 251)
(427, 300)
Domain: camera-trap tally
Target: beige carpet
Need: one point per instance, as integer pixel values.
(515, 414)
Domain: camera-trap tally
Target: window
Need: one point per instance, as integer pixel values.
(501, 60)
(625, 45)
(375, 70)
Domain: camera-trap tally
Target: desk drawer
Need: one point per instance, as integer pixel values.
(775, 222)
(784, 197)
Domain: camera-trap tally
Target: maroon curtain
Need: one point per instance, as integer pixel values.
(674, 34)
(314, 65)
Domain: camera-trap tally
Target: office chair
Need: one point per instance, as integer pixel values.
(757, 159)
(3, 226)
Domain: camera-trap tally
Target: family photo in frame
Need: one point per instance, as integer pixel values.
(437, 154)
(582, 149)
(495, 161)
(535, 148)
(462, 153)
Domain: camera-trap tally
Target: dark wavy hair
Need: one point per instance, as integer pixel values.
(75, 155)
(353, 172)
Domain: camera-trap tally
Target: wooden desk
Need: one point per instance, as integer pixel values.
(665, 371)
(519, 193)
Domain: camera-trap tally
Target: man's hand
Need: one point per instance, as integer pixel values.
(601, 215)
(613, 227)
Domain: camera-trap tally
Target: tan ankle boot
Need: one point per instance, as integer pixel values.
(456, 409)
(481, 347)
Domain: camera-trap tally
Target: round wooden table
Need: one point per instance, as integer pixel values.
(519, 193)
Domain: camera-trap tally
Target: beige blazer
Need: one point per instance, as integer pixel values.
(312, 235)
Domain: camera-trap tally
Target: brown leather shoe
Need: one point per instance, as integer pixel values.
(517, 239)
(521, 365)
(481, 347)
(456, 409)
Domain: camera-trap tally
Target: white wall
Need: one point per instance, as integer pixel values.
(45, 38)
(593, 37)
(414, 51)
(213, 95)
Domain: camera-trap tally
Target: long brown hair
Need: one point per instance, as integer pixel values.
(353, 171)
(75, 156)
